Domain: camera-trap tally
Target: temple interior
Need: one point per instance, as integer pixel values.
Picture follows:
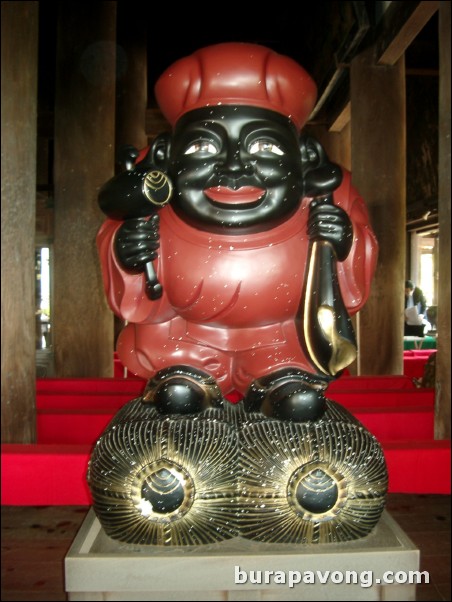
(78, 84)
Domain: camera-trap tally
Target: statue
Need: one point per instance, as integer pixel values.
(236, 252)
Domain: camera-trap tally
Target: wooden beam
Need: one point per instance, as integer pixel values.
(342, 119)
(422, 72)
(400, 25)
(353, 27)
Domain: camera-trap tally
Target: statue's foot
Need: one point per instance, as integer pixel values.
(182, 390)
(288, 394)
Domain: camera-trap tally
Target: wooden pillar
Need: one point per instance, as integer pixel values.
(18, 173)
(443, 359)
(378, 172)
(131, 88)
(84, 160)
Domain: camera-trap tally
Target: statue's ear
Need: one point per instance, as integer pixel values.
(312, 153)
(126, 156)
(320, 175)
(159, 151)
(156, 156)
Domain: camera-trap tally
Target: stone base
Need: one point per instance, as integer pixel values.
(100, 568)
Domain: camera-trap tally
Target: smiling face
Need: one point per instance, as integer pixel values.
(235, 168)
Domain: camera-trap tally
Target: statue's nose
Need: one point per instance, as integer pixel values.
(234, 165)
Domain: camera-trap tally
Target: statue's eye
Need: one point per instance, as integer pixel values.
(205, 147)
(265, 146)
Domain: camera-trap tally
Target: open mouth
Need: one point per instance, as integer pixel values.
(244, 196)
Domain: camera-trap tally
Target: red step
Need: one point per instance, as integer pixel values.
(113, 393)
(418, 466)
(55, 475)
(83, 401)
(392, 381)
(82, 417)
(79, 427)
(414, 362)
(90, 385)
(86, 425)
(72, 414)
(382, 399)
(418, 352)
(45, 475)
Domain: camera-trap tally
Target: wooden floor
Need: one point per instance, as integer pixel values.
(35, 541)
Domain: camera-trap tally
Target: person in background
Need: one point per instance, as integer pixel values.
(414, 298)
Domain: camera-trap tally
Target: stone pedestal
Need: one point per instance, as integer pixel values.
(100, 568)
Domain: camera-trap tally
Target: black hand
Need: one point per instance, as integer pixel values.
(137, 242)
(332, 224)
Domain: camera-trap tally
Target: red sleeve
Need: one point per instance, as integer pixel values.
(356, 272)
(125, 292)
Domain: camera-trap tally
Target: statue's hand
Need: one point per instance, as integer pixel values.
(332, 224)
(137, 242)
(126, 156)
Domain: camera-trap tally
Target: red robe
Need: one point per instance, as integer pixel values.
(229, 302)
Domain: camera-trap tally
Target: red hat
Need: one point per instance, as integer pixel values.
(236, 74)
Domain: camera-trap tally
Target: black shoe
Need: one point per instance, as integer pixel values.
(182, 390)
(288, 394)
